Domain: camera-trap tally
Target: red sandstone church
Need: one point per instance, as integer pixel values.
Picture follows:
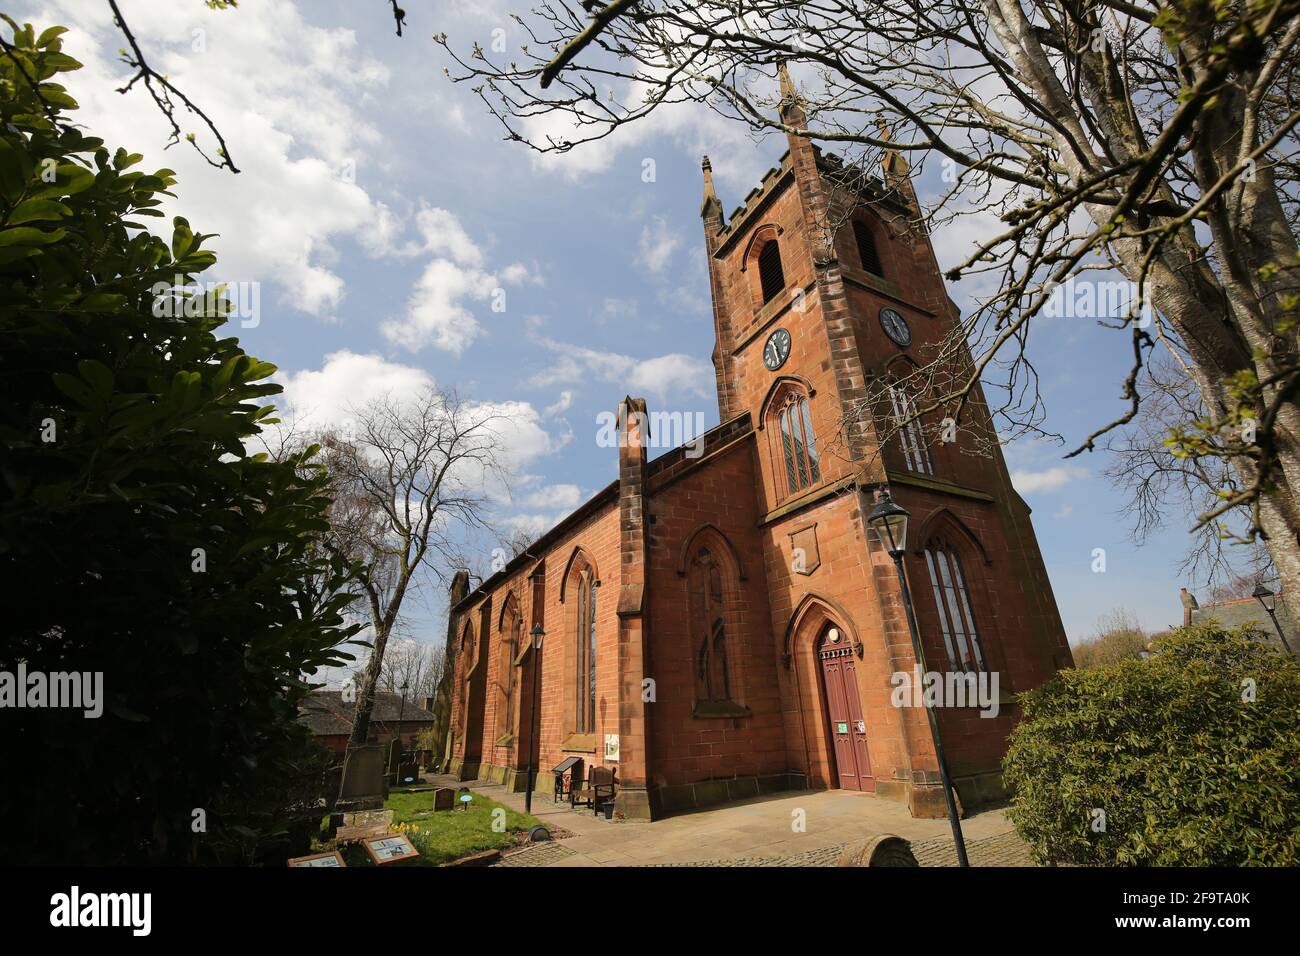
(722, 622)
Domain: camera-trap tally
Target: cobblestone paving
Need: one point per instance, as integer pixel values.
(1005, 849)
(539, 854)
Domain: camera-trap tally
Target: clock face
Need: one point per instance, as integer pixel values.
(777, 349)
(896, 328)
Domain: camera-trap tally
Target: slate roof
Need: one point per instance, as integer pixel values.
(326, 714)
(1247, 610)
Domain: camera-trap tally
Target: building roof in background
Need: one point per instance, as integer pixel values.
(1247, 610)
(326, 714)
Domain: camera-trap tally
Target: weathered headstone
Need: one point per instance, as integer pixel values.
(363, 778)
(394, 762)
(444, 798)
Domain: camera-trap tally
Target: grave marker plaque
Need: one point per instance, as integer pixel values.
(390, 848)
(332, 859)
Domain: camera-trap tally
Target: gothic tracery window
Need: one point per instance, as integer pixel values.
(798, 446)
(911, 436)
(465, 664)
(585, 655)
(952, 600)
(506, 678)
(709, 628)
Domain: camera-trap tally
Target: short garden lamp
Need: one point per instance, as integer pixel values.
(890, 521)
(1268, 601)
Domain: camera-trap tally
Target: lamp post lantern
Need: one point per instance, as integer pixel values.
(890, 521)
(1268, 601)
(534, 744)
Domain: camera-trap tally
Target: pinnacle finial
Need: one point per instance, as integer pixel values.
(711, 203)
(787, 85)
(894, 163)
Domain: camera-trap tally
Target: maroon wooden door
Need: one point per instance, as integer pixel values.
(848, 729)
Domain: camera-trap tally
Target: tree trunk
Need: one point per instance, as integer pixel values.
(366, 694)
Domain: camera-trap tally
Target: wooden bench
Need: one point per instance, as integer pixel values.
(596, 790)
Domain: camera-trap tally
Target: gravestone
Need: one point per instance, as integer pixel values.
(444, 798)
(363, 778)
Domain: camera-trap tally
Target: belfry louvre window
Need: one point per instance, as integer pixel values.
(911, 437)
(709, 629)
(585, 656)
(798, 446)
(770, 273)
(953, 602)
(867, 253)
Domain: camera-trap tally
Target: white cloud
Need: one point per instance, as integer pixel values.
(693, 127)
(618, 310)
(561, 404)
(438, 313)
(1048, 479)
(290, 99)
(317, 399)
(322, 398)
(564, 497)
(675, 375)
(657, 244)
(444, 236)
(534, 525)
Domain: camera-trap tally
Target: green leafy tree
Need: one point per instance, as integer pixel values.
(1187, 758)
(139, 539)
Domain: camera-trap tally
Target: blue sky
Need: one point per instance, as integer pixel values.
(379, 208)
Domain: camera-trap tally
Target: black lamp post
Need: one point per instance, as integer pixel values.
(401, 714)
(534, 744)
(1268, 601)
(890, 521)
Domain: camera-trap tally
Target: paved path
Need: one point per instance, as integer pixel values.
(1006, 849)
(797, 828)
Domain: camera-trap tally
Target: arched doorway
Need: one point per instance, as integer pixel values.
(845, 725)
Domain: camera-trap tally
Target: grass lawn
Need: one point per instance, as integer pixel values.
(450, 834)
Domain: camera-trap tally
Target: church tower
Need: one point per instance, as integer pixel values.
(828, 308)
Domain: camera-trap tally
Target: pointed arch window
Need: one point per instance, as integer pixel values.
(466, 665)
(770, 273)
(506, 678)
(798, 446)
(585, 655)
(709, 628)
(868, 254)
(952, 599)
(911, 436)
